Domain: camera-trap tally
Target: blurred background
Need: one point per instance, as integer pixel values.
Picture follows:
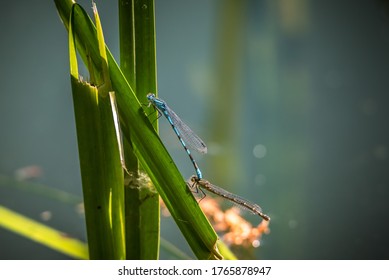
(291, 97)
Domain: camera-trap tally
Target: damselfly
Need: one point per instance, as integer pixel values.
(200, 184)
(183, 132)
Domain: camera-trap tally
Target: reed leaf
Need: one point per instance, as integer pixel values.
(146, 144)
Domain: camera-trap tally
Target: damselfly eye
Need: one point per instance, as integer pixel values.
(150, 96)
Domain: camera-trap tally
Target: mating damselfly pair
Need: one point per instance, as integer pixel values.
(187, 136)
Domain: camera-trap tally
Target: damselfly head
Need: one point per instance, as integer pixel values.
(194, 179)
(150, 96)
